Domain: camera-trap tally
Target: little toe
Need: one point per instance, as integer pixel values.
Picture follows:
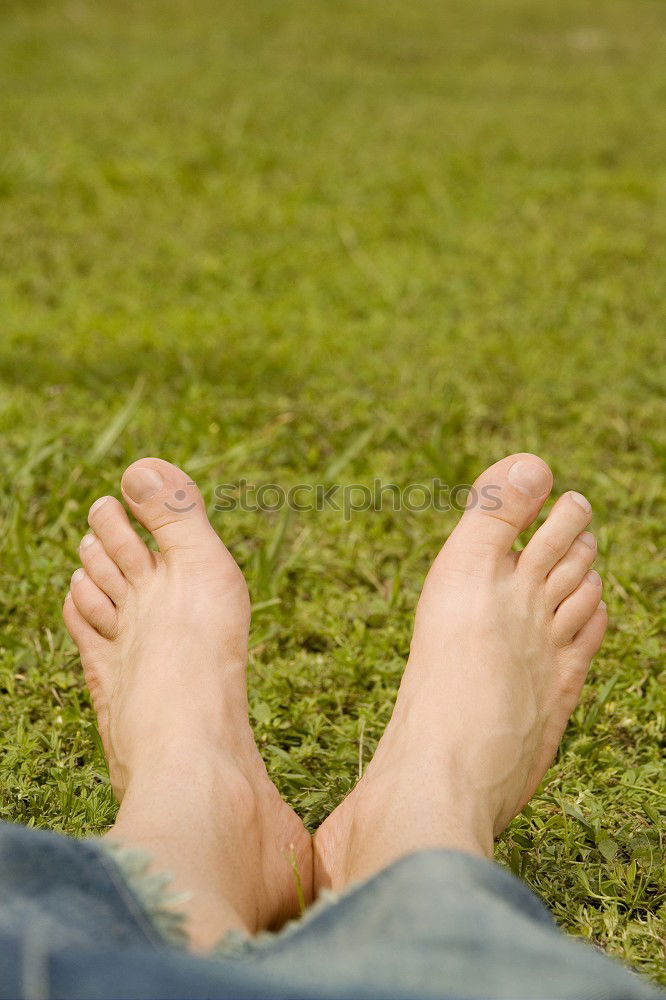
(576, 610)
(570, 570)
(504, 501)
(94, 659)
(101, 569)
(81, 631)
(588, 640)
(570, 515)
(94, 605)
(168, 503)
(111, 525)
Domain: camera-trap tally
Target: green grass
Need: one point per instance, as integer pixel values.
(277, 240)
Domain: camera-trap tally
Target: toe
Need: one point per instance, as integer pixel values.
(570, 515)
(101, 569)
(81, 631)
(504, 500)
(94, 605)
(589, 638)
(576, 610)
(120, 541)
(568, 573)
(578, 655)
(164, 500)
(93, 649)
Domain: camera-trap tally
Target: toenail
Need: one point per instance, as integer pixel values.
(86, 541)
(97, 504)
(594, 578)
(588, 539)
(581, 501)
(78, 574)
(530, 478)
(142, 483)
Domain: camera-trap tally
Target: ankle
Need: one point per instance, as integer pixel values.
(165, 785)
(182, 751)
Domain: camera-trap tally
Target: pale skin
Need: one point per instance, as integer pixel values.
(501, 647)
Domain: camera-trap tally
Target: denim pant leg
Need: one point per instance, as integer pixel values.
(444, 924)
(56, 893)
(435, 924)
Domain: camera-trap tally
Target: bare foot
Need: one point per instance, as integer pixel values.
(501, 647)
(163, 642)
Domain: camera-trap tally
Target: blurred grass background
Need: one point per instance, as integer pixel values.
(297, 242)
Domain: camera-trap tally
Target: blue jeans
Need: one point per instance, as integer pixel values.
(434, 924)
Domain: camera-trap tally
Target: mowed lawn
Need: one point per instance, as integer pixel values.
(315, 242)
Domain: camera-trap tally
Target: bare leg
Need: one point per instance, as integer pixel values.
(501, 648)
(163, 642)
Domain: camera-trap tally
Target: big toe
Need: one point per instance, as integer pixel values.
(168, 504)
(504, 500)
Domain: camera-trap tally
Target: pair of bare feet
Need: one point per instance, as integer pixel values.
(501, 648)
